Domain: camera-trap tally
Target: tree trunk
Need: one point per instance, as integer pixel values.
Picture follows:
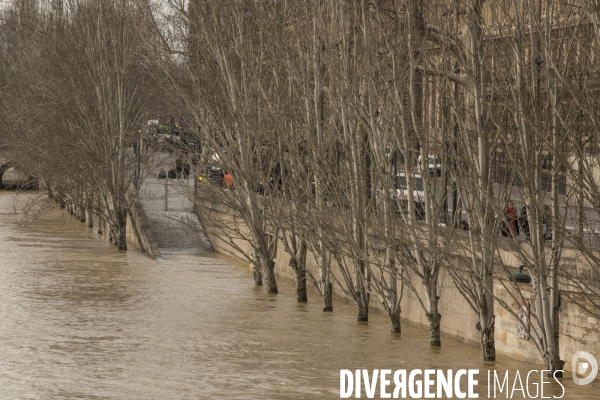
(433, 316)
(488, 344)
(394, 312)
(390, 255)
(325, 284)
(557, 242)
(362, 296)
(328, 297)
(486, 323)
(394, 306)
(434, 329)
(260, 252)
(257, 275)
(257, 270)
(298, 264)
(300, 277)
(362, 312)
(121, 234)
(394, 316)
(89, 216)
(545, 311)
(268, 271)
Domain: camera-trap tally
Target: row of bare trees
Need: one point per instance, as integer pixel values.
(78, 85)
(319, 110)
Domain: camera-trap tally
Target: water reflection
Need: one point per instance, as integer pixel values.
(80, 320)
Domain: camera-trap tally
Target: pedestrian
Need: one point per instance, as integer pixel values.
(227, 180)
(547, 222)
(172, 174)
(162, 174)
(511, 221)
(525, 221)
(179, 167)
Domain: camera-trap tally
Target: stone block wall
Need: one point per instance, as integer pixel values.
(458, 319)
(139, 234)
(578, 332)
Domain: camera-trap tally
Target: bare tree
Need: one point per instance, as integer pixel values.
(89, 93)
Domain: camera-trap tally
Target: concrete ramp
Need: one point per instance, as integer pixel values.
(170, 211)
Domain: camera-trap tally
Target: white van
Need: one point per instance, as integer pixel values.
(418, 195)
(401, 195)
(434, 164)
(402, 187)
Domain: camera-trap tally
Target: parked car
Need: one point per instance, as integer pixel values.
(214, 174)
(189, 142)
(433, 163)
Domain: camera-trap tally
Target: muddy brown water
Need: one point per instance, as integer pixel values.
(81, 320)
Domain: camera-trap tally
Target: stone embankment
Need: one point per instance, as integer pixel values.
(577, 331)
(163, 220)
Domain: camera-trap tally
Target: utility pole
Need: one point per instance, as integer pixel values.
(167, 194)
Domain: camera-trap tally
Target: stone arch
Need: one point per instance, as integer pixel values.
(3, 168)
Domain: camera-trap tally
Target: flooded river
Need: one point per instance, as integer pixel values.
(81, 320)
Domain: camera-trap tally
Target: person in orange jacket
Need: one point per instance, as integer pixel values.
(227, 180)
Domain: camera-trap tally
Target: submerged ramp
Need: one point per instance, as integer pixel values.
(170, 211)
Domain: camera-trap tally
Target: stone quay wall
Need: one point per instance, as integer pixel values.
(577, 330)
(139, 232)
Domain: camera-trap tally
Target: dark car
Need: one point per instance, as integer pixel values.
(189, 142)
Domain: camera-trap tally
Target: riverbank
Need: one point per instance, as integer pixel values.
(458, 320)
(81, 319)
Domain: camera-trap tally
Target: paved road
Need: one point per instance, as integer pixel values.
(180, 194)
(591, 216)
